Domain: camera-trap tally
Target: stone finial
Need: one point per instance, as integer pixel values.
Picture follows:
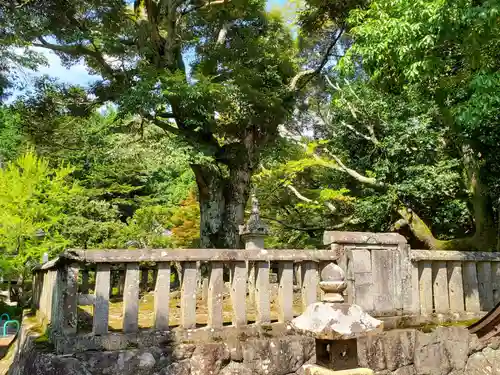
(332, 283)
(254, 226)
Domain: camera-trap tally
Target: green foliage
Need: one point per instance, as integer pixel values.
(397, 145)
(13, 61)
(10, 135)
(407, 118)
(215, 75)
(33, 198)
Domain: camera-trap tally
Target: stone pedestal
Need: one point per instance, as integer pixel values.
(335, 325)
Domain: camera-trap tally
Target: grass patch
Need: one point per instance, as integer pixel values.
(146, 311)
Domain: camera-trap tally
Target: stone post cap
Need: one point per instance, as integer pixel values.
(332, 321)
(367, 238)
(254, 226)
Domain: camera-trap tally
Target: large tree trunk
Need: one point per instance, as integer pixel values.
(223, 196)
(485, 235)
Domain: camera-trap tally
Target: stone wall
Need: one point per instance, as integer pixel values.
(273, 356)
(444, 351)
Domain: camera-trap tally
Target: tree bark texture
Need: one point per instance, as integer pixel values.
(223, 197)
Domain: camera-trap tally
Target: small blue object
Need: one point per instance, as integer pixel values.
(4, 314)
(6, 324)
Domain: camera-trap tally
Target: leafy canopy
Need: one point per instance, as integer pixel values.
(34, 199)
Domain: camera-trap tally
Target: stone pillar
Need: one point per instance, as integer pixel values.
(336, 325)
(379, 271)
(253, 234)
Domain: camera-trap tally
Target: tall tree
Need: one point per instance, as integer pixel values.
(416, 130)
(448, 52)
(220, 75)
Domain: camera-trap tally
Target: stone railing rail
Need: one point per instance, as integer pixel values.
(456, 281)
(57, 284)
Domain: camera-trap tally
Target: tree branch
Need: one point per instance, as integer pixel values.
(293, 83)
(166, 115)
(373, 137)
(310, 73)
(163, 125)
(355, 131)
(76, 51)
(306, 229)
(289, 226)
(351, 172)
(221, 37)
(204, 5)
(329, 205)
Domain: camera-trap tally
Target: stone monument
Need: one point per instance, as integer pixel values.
(336, 326)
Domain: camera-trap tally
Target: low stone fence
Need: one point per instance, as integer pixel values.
(384, 276)
(58, 282)
(387, 278)
(456, 281)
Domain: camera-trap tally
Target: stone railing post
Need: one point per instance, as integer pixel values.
(379, 271)
(253, 234)
(336, 325)
(65, 299)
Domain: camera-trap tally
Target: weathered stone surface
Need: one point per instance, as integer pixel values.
(430, 355)
(399, 347)
(446, 350)
(494, 343)
(49, 364)
(371, 352)
(183, 351)
(277, 357)
(336, 321)
(475, 345)
(235, 351)
(317, 370)
(146, 360)
(406, 370)
(235, 368)
(478, 364)
(177, 368)
(341, 237)
(209, 359)
(456, 344)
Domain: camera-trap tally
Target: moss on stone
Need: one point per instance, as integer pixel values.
(429, 327)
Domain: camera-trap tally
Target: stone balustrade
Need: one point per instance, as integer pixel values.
(383, 276)
(457, 282)
(389, 279)
(58, 282)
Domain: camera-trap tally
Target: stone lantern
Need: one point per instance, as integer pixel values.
(335, 325)
(254, 231)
